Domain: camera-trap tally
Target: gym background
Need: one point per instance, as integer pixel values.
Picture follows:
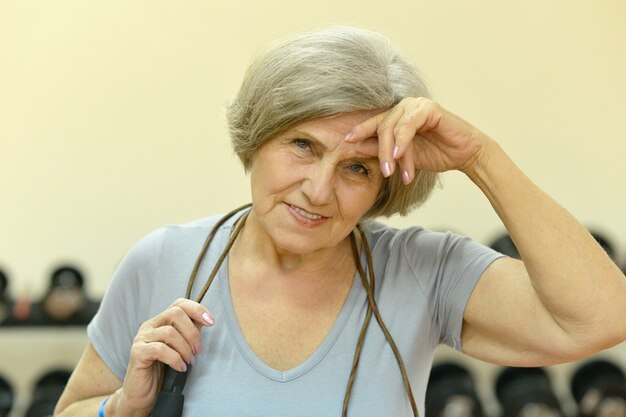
(112, 124)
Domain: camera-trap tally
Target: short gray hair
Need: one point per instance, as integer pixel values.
(323, 73)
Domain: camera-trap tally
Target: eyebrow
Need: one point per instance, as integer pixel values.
(318, 143)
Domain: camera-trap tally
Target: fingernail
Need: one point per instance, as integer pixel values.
(198, 348)
(405, 177)
(192, 362)
(349, 136)
(386, 169)
(210, 321)
(183, 367)
(395, 152)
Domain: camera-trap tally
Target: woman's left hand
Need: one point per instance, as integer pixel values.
(418, 133)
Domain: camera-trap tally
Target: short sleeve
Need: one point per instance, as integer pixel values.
(113, 328)
(447, 267)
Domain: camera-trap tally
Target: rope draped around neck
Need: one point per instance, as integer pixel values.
(358, 239)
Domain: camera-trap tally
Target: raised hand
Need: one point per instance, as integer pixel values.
(418, 133)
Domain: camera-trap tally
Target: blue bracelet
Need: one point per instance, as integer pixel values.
(101, 410)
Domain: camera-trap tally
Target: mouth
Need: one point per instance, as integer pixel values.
(305, 217)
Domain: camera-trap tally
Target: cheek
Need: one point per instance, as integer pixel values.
(355, 203)
(274, 177)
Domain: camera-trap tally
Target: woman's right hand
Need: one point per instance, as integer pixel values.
(171, 338)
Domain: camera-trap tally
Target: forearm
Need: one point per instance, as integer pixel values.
(573, 277)
(91, 406)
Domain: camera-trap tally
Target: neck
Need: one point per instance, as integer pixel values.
(258, 248)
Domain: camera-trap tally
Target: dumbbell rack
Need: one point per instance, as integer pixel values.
(28, 352)
(485, 375)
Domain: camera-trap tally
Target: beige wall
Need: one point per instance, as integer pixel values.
(111, 119)
(111, 113)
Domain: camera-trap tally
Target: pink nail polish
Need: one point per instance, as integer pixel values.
(405, 177)
(208, 320)
(192, 362)
(183, 367)
(386, 169)
(198, 348)
(395, 152)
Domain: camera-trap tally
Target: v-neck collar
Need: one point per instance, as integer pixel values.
(250, 356)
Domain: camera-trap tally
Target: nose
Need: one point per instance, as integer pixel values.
(319, 184)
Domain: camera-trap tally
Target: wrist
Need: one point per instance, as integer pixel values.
(481, 167)
(116, 406)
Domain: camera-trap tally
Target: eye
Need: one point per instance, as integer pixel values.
(302, 143)
(358, 168)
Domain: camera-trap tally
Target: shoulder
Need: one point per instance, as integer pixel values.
(175, 241)
(421, 248)
(169, 233)
(384, 237)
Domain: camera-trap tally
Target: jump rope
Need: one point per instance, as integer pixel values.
(170, 399)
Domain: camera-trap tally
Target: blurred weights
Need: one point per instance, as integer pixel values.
(451, 392)
(65, 302)
(66, 298)
(6, 397)
(5, 304)
(599, 388)
(527, 392)
(47, 392)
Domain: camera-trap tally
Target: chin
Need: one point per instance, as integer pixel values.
(298, 244)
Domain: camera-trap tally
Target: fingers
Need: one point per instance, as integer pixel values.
(381, 126)
(419, 114)
(406, 165)
(145, 354)
(172, 337)
(395, 130)
(195, 311)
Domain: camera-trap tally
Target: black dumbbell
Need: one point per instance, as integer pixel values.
(599, 388)
(47, 391)
(525, 392)
(451, 392)
(6, 397)
(65, 298)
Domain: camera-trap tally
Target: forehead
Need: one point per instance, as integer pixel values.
(341, 123)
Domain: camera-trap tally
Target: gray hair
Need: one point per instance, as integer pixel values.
(320, 74)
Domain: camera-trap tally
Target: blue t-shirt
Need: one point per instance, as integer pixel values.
(423, 282)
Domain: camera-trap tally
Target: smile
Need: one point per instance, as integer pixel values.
(304, 216)
(306, 213)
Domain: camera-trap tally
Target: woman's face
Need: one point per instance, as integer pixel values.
(310, 188)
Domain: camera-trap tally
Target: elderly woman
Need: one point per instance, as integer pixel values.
(336, 129)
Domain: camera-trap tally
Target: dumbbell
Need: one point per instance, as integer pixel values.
(6, 397)
(451, 392)
(65, 298)
(47, 391)
(526, 392)
(599, 388)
